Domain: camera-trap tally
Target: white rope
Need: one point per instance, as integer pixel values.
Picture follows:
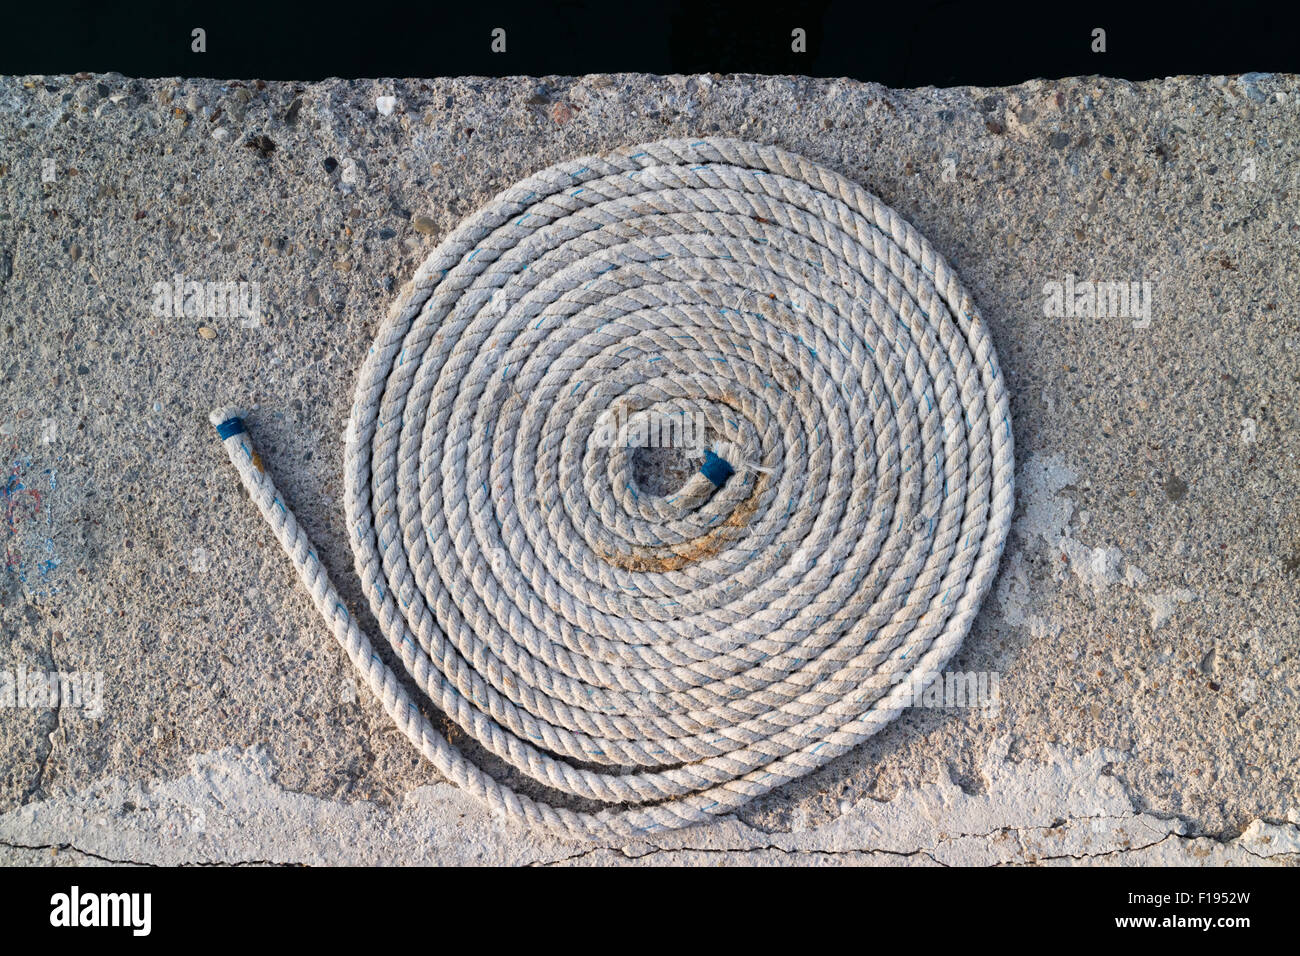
(673, 656)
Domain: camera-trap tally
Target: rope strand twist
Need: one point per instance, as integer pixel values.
(671, 656)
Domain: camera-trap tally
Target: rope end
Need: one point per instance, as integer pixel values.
(716, 469)
(227, 421)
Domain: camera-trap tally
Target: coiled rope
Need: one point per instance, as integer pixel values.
(674, 656)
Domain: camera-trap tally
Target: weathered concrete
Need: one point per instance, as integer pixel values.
(1144, 627)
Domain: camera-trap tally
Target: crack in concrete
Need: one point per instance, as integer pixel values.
(929, 852)
(230, 810)
(722, 851)
(71, 848)
(38, 781)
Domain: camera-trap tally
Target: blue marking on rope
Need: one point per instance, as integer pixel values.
(247, 452)
(716, 469)
(231, 426)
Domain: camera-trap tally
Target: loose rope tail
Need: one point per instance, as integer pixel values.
(672, 657)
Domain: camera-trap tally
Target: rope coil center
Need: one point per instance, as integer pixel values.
(672, 656)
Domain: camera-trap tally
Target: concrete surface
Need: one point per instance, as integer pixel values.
(1144, 628)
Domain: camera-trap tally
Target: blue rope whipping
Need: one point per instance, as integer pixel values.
(231, 426)
(716, 469)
